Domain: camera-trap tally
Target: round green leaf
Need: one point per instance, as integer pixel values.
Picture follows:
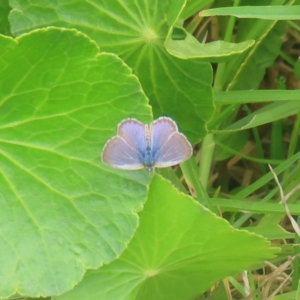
(136, 31)
(179, 251)
(60, 101)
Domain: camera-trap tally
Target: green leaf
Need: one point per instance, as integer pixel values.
(218, 51)
(297, 69)
(255, 96)
(60, 101)
(288, 296)
(217, 293)
(279, 12)
(255, 207)
(4, 11)
(284, 166)
(192, 7)
(135, 31)
(247, 72)
(179, 250)
(235, 141)
(267, 114)
(269, 228)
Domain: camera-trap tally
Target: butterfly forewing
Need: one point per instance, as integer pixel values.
(169, 146)
(161, 131)
(133, 133)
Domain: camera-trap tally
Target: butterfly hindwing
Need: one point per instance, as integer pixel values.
(117, 153)
(133, 133)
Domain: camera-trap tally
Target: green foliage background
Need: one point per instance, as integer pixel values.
(70, 71)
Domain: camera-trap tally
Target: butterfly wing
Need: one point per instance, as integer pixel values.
(162, 129)
(117, 153)
(124, 151)
(168, 145)
(133, 133)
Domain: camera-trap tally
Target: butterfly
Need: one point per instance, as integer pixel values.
(139, 145)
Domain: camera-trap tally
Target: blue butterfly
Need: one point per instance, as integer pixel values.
(139, 145)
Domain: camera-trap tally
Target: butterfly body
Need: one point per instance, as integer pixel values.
(148, 158)
(139, 145)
